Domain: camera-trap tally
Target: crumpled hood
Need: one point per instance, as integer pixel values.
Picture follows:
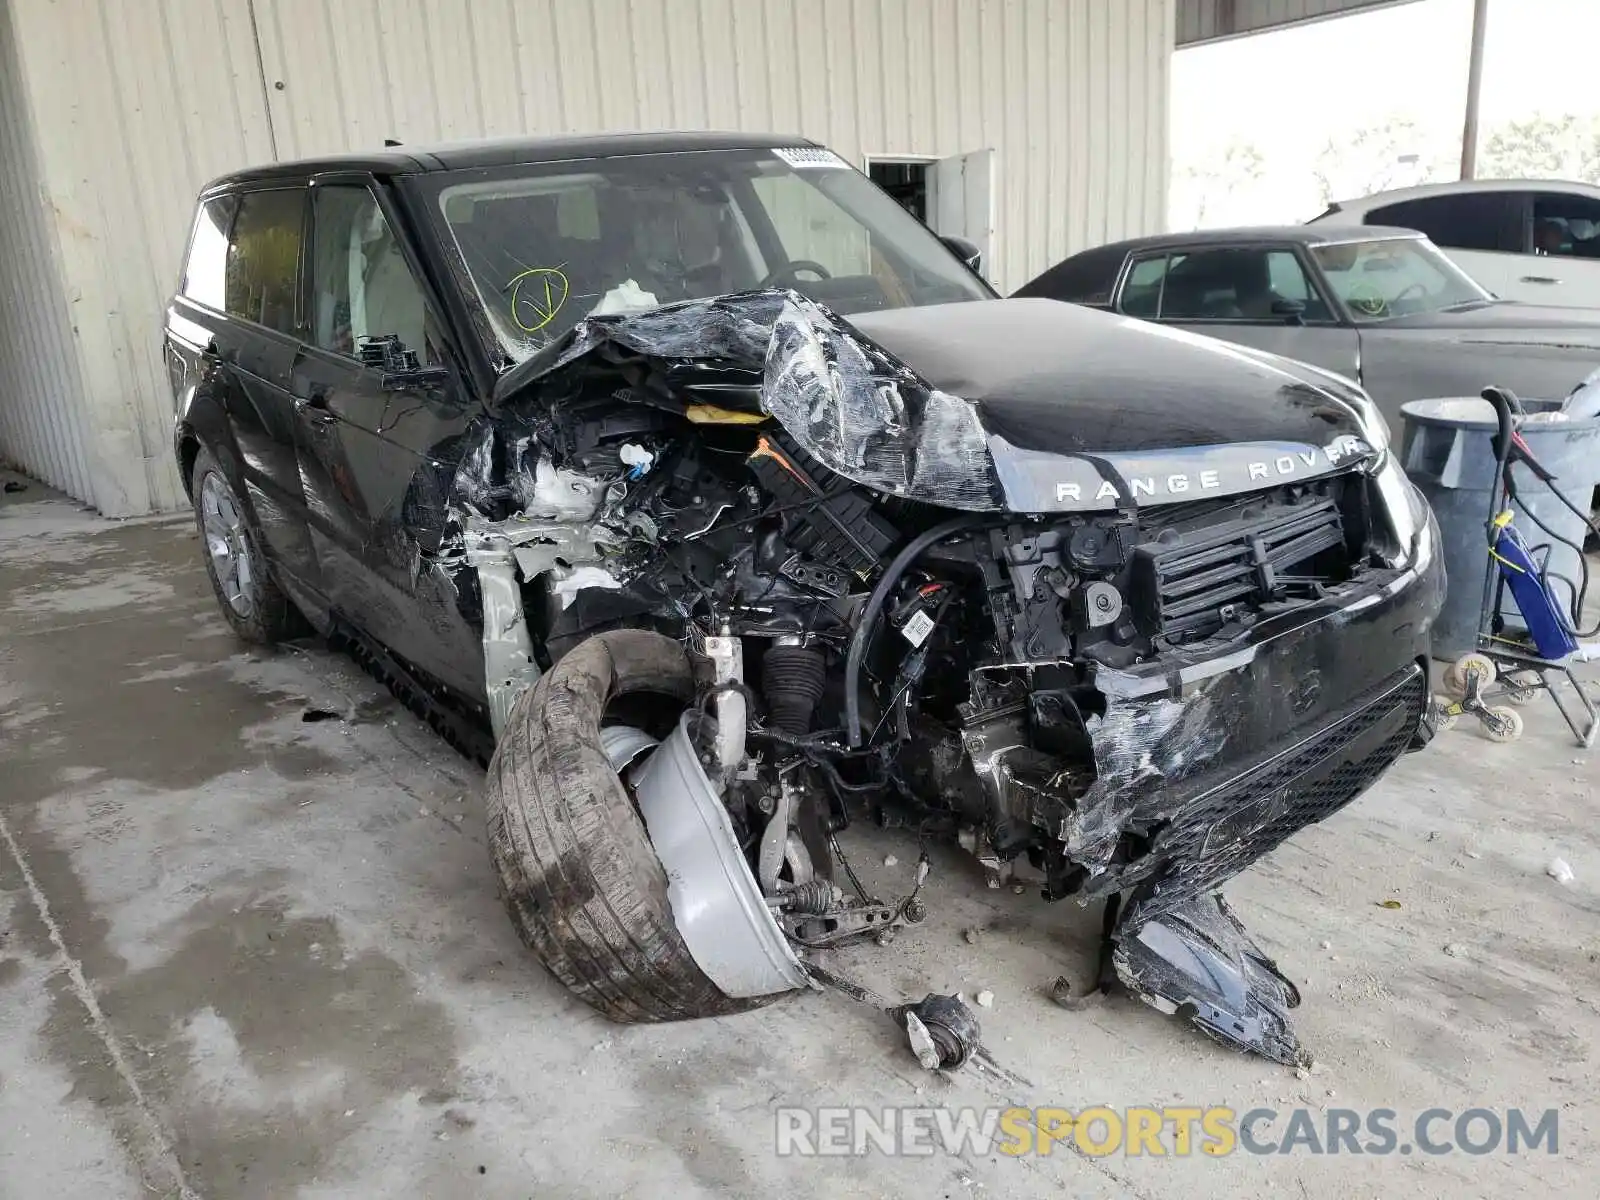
(1060, 378)
(994, 405)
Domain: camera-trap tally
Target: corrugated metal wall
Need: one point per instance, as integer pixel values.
(1071, 93)
(41, 410)
(136, 104)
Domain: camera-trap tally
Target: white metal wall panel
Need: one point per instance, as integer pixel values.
(41, 425)
(1072, 94)
(135, 106)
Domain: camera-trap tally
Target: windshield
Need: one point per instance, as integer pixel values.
(542, 246)
(1395, 277)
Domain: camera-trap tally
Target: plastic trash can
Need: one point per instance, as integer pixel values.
(1448, 452)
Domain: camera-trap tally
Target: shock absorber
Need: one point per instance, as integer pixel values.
(792, 678)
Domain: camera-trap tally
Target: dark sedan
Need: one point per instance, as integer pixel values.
(1381, 306)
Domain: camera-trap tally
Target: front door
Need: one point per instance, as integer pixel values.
(1260, 296)
(381, 405)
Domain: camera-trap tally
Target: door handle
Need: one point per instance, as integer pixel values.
(313, 406)
(1540, 279)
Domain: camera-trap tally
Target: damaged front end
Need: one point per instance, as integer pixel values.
(933, 572)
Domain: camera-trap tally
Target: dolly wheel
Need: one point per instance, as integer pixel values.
(1523, 687)
(1459, 673)
(1446, 712)
(1502, 724)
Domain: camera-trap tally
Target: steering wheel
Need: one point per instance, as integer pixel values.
(1366, 300)
(787, 272)
(1406, 291)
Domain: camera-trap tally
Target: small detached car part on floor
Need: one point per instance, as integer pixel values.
(703, 493)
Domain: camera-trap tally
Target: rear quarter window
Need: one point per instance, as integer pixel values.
(205, 268)
(1469, 221)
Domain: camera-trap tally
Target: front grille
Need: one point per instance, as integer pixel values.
(1188, 583)
(1219, 833)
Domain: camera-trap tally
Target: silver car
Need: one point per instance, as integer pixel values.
(1383, 307)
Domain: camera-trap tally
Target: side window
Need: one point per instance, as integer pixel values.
(205, 270)
(264, 258)
(361, 285)
(1287, 277)
(1230, 283)
(1471, 221)
(1566, 226)
(1141, 294)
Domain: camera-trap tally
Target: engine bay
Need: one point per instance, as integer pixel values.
(1056, 692)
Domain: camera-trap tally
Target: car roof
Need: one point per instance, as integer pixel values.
(1308, 235)
(504, 152)
(1460, 187)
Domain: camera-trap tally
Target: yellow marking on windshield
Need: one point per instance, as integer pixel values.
(540, 291)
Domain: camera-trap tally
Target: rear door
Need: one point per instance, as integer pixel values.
(1564, 240)
(1260, 296)
(381, 404)
(1484, 232)
(255, 349)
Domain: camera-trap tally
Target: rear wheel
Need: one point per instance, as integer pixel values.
(581, 882)
(250, 601)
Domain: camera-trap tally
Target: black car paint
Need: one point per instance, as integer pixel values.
(357, 524)
(1073, 380)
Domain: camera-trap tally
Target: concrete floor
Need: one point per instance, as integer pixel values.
(244, 955)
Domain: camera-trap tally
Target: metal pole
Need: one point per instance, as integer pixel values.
(1469, 128)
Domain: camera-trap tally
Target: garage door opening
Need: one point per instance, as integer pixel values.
(905, 180)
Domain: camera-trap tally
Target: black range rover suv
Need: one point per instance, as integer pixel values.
(712, 501)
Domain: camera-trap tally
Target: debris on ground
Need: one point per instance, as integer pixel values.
(942, 1031)
(1560, 871)
(986, 999)
(921, 1042)
(1454, 949)
(970, 934)
(1326, 944)
(1391, 904)
(1061, 993)
(890, 860)
(15, 485)
(312, 715)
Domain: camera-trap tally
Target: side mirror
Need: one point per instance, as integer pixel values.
(398, 367)
(966, 250)
(1292, 311)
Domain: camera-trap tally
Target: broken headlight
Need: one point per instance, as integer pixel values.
(1403, 532)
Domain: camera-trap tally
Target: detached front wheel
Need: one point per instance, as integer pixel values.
(581, 881)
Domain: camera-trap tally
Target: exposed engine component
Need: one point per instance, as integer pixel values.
(1125, 701)
(942, 1030)
(793, 676)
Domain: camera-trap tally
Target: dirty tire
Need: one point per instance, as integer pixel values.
(581, 881)
(269, 616)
